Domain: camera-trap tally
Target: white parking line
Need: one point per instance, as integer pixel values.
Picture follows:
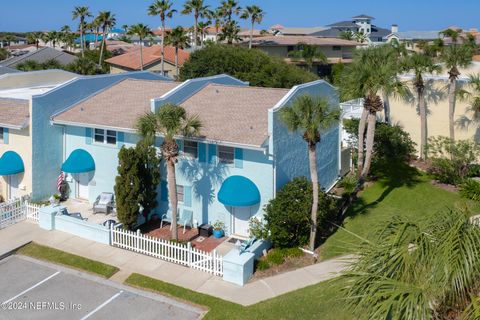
(32, 287)
(102, 305)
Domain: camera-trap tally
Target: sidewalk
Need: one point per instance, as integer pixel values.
(129, 262)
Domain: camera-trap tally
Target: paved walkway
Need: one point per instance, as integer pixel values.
(129, 262)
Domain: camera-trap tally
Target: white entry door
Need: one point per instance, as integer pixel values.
(12, 186)
(82, 185)
(241, 217)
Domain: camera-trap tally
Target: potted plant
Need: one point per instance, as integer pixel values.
(218, 229)
(54, 199)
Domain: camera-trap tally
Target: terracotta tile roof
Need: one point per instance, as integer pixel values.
(14, 112)
(118, 106)
(293, 40)
(233, 113)
(131, 59)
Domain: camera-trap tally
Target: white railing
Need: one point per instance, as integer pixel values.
(17, 210)
(178, 253)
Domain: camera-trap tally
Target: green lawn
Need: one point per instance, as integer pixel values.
(321, 301)
(405, 192)
(70, 260)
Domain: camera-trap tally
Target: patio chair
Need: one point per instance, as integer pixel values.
(247, 244)
(104, 203)
(167, 217)
(186, 219)
(76, 215)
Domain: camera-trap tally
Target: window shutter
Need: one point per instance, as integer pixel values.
(120, 139)
(202, 152)
(187, 196)
(88, 135)
(238, 158)
(212, 153)
(5, 135)
(163, 190)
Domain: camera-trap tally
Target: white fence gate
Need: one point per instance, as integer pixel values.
(182, 254)
(17, 210)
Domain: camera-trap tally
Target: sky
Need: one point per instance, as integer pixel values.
(43, 15)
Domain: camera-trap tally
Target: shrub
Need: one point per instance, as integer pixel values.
(292, 252)
(348, 183)
(276, 256)
(257, 228)
(452, 161)
(254, 66)
(470, 189)
(262, 264)
(288, 215)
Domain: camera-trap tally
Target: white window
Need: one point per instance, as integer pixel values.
(1, 135)
(180, 193)
(226, 154)
(105, 136)
(190, 149)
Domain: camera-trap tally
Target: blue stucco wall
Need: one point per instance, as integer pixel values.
(192, 86)
(291, 150)
(47, 140)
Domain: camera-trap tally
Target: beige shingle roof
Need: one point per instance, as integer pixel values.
(14, 112)
(118, 106)
(234, 114)
(294, 40)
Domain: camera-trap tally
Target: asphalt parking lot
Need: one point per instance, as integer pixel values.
(31, 289)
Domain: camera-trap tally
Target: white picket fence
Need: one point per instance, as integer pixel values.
(17, 210)
(182, 254)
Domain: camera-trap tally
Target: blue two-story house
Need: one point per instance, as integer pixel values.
(243, 155)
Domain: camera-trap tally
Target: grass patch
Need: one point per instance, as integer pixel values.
(40, 252)
(403, 191)
(322, 301)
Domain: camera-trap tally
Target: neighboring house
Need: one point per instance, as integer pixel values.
(17, 41)
(211, 34)
(41, 55)
(336, 50)
(152, 58)
(5, 70)
(243, 156)
(412, 38)
(284, 31)
(31, 149)
(117, 47)
(361, 23)
(115, 33)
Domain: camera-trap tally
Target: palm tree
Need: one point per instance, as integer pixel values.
(125, 27)
(200, 10)
(230, 32)
(95, 26)
(81, 13)
(34, 37)
(421, 64)
(473, 95)
(228, 8)
(162, 8)
(142, 31)
(372, 72)
(308, 53)
(360, 37)
(454, 56)
(255, 15)
(426, 268)
(179, 39)
(347, 35)
(203, 30)
(53, 37)
(107, 20)
(9, 38)
(311, 116)
(169, 121)
(216, 17)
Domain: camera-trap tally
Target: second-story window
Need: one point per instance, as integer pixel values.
(226, 154)
(190, 149)
(105, 136)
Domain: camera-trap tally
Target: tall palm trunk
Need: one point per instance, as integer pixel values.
(452, 99)
(141, 54)
(251, 35)
(386, 108)
(172, 195)
(423, 121)
(372, 119)
(361, 141)
(81, 39)
(195, 30)
(102, 46)
(312, 156)
(163, 46)
(176, 60)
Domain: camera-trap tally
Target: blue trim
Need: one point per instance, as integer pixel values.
(11, 163)
(180, 145)
(5, 135)
(238, 191)
(78, 161)
(187, 196)
(212, 153)
(202, 152)
(120, 139)
(163, 190)
(88, 135)
(239, 158)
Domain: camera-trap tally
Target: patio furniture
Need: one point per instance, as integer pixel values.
(167, 217)
(247, 244)
(109, 223)
(76, 215)
(186, 219)
(205, 230)
(104, 203)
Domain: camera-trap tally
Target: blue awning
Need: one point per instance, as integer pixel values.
(238, 191)
(11, 163)
(78, 161)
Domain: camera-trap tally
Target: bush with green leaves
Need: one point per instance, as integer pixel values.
(452, 161)
(348, 183)
(288, 216)
(257, 228)
(254, 66)
(470, 189)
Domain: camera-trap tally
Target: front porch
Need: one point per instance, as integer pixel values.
(85, 209)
